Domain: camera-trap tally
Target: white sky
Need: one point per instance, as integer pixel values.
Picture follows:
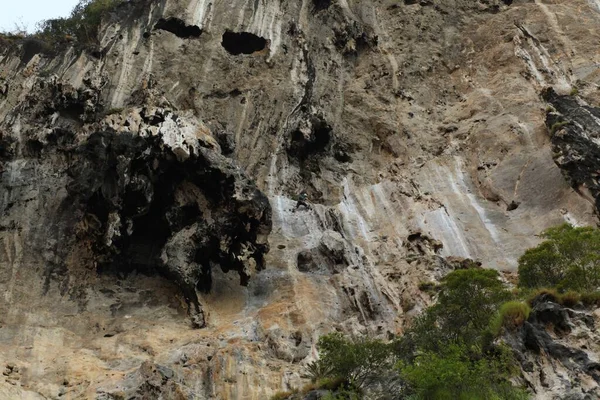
(28, 12)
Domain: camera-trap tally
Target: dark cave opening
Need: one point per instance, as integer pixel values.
(141, 210)
(178, 28)
(242, 43)
(302, 147)
(322, 134)
(139, 251)
(321, 4)
(142, 250)
(33, 148)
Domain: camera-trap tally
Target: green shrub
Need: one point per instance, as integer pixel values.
(81, 26)
(468, 300)
(448, 353)
(355, 361)
(512, 314)
(455, 375)
(112, 111)
(283, 395)
(342, 395)
(331, 383)
(568, 260)
(574, 91)
(317, 370)
(591, 299)
(570, 299)
(551, 294)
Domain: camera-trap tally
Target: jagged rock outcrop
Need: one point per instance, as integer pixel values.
(575, 131)
(136, 172)
(179, 210)
(557, 348)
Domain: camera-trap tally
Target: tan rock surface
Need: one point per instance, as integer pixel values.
(429, 120)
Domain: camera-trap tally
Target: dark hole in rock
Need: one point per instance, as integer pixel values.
(321, 4)
(507, 2)
(33, 148)
(242, 43)
(342, 156)
(322, 136)
(7, 147)
(143, 248)
(303, 146)
(60, 137)
(513, 206)
(178, 28)
(297, 337)
(73, 110)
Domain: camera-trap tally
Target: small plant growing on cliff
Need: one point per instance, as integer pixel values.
(569, 259)
(591, 299)
(112, 111)
(512, 314)
(556, 126)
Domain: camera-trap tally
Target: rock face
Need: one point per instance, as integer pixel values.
(557, 348)
(148, 205)
(136, 174)
(575, 131)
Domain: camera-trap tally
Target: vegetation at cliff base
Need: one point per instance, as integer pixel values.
(452, 350)
(569, 259)
(448, 353)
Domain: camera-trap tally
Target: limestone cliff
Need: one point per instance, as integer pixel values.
(137, 174)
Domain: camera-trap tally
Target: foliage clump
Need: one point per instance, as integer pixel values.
(467, 302)
(569, 259)
(512, 315)
(353, 361)
(454, 374)
(447, 354)
(81, 26)
(557, 125)
(451, 352)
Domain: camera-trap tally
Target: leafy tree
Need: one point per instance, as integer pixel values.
(355, 360)
(454, 375)
(569, 259)
(468, 301)
(82, 25)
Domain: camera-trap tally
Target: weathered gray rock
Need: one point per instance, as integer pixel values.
(558, 353)
(396, 117)
(575, 131)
